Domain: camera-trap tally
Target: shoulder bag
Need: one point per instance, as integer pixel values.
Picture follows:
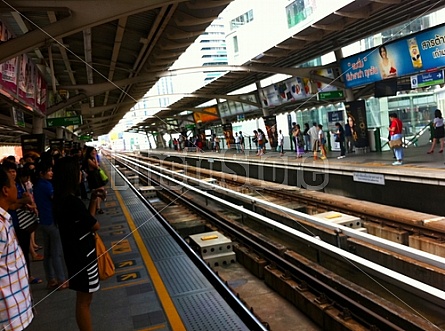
(395, 143)
(105, 264)
(103, 177)
(28, 220)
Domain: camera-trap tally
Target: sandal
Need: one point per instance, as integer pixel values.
(52, 284)
(441, 151)
(100, 211)
(37, 257)
(63, 285)
(35, 280)
(430, 152)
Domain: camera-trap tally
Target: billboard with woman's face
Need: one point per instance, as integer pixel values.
(417, 52)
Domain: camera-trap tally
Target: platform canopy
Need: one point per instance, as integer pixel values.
(99, 57)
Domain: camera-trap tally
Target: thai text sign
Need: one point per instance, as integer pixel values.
(415, 53)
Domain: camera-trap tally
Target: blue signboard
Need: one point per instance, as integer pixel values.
(415, 53)
(427, 79)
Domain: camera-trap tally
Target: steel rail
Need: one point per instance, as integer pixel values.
(379, 319)
(421, 256)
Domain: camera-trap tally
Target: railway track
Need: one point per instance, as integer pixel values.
(297, 267)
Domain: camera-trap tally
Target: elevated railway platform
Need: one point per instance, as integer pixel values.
(417, 184)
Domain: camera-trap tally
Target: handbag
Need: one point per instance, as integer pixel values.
(27, 219)
(103, 177)
(105, 264)
(395, 143)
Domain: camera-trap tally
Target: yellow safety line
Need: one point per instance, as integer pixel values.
(125, 284)
(170, 309)
(157, 327)
(125, 270)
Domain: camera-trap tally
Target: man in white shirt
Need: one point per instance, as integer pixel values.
(237, 143)
(281, 142)
(313, 133)
(15, 297)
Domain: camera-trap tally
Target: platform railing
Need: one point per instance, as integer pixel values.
(411, 140)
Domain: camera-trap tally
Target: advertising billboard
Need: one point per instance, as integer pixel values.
(206, 115)
(417, 52)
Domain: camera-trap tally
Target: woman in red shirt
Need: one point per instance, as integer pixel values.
(395, 131)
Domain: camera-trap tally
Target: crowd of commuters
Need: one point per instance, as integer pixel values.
(50, 187)
(314, 139)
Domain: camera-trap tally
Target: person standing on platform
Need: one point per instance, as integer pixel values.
(255, 139)
(439, 132)
(340, 138)
(77, 227)
(294, 134)
(53, 256)
(281, 143)
(349, 139)
(322, 142)
(15, 297)
(313, 133)
(241, 137)
(237, 143)
(307, 138)
(92, 168)
(395, 131)
(299, 147)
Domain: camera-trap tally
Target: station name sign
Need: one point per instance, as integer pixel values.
(63, 121)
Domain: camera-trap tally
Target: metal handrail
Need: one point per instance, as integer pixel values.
(412, 140)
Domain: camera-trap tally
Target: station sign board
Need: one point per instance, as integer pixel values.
(427, 79)
(63, 121)
(330, 95)
(84, 138)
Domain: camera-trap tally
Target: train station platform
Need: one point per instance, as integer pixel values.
(156, 285)
(415, 159)
(417, 184)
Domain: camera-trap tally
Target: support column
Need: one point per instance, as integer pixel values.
(68, 135)
(258, 88)
(37, 124)
(161, 141)
(59, 133)
(349, 96)
(223, 120)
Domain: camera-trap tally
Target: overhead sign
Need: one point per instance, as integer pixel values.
(84, 138)
(428, 79)
(407, 56)
(331, 95)
(63, 121)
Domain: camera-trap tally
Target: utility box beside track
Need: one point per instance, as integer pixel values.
(214, 248)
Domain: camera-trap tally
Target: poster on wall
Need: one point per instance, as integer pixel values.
(206, 115)
(282, 92)
(41, 91)
(26, 81)
(8, 76)
(271, 130)
(228, 135)
(418, 52)
(356, 118)
(295, 88)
